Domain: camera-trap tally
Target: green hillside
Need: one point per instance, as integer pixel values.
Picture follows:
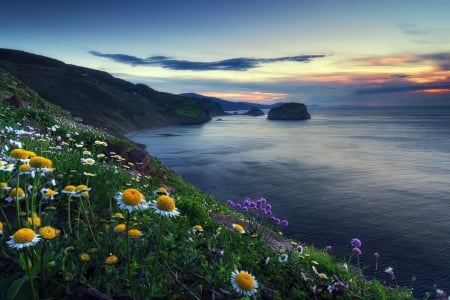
(98, 98)
(80, 218)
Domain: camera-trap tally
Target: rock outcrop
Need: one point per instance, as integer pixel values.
(254, 112)
(289, 111)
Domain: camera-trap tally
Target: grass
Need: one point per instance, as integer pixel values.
(85, 247)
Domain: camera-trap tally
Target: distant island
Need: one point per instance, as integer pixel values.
(255, 112)
(289, 111)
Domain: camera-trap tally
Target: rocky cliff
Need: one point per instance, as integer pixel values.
(289, 111)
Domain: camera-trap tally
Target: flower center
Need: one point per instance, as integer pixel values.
(70, 188)
(19, 153)
(238, 227)
(19, 192)
(165, 203)
(24, 167)
(81, 187)
(245, 281)
(131, 197)
(120, 227)
(133, 233)
(49, 193)
(40, 162)
(49, 232)
(24, 235)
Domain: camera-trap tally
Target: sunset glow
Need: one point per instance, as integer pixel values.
(330, 53)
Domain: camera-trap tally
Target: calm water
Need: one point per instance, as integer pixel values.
(379, 174)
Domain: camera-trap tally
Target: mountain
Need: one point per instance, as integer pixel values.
(231, 105)
(100, 99)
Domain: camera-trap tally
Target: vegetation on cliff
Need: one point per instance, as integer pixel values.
(80, 221)
(98, 98)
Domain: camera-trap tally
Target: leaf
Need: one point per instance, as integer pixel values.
(15, 287)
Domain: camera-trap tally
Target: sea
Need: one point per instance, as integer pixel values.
(379, 174)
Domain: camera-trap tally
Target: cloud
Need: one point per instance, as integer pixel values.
(402, 88)
(233, 64)
(441, 59)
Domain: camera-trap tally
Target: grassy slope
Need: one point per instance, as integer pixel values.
(99, 98)
(169, 261)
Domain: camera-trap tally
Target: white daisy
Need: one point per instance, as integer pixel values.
(131, 199)
(283, 258)
(244, 283)
(48, 194)
(239, 228)
(13, 193)
(165, 206)
(87, 161)
(24, 237)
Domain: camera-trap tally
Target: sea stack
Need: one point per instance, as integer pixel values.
(289, 111)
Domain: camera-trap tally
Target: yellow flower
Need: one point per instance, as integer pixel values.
(69, 189)
(81, 188)
(4, 186)
(244, 283)
(165, 206)
(19, 154)
(161, 191)
(30, 153)
(12, 194)
(131, 199)
(120, 227)
(134, 233)
(118, 215)
(48, 193)
(34, 220)
(48, 232)
(87, 161)
(85, 256)
(24, 237)
(198, 228)
(24, 168)
(239, 228)
(111, 260)
(1, 227)
(41, 162)
(101, 143)
(86, 152)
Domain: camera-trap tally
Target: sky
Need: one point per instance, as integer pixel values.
(326, 52)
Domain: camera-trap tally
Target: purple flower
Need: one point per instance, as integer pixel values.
(264, 211)
(245, 209)
(247, 201)
(276, 220)
(263, 201)
(284, 223)
(268, 206)
(259, 203)
(328, 249)
(356, 243)
(230, 203)
(252, 204)
(357, 251)
(238, 205)
(269, 212)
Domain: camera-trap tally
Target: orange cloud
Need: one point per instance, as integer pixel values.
(434, 91)
(255, 96)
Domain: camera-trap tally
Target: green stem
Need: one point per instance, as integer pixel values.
(6, 218)
(41, 271)
(17, 201)
(30, 277)
(86, 217)
(68, 214)
(130, 277)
